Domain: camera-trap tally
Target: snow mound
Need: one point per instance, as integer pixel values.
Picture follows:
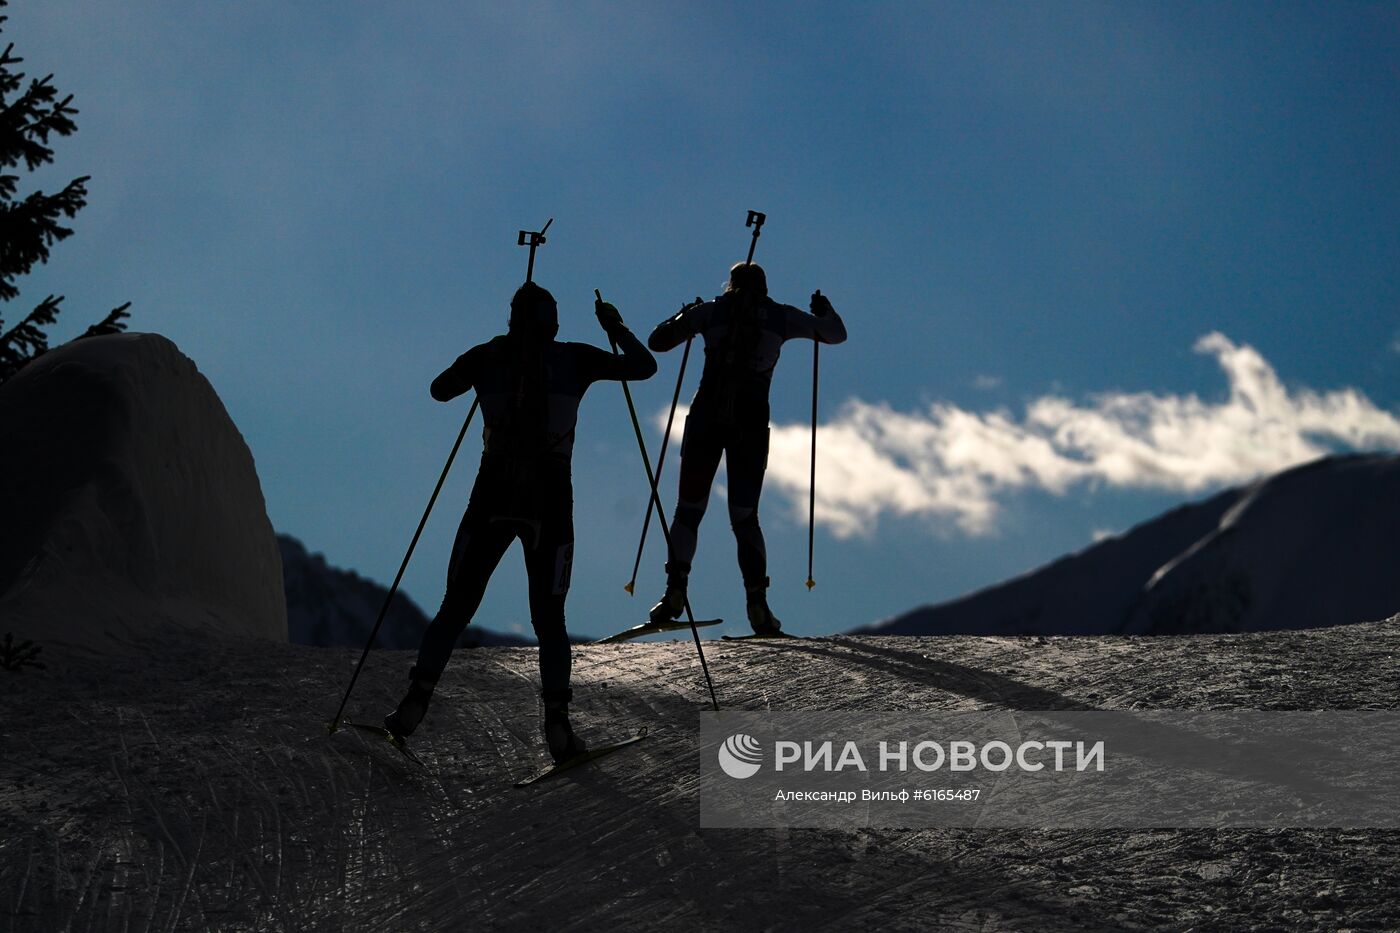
(1311, 546)
(129, 502)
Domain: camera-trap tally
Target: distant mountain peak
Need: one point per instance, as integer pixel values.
(1313, 545)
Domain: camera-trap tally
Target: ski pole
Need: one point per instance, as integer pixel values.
(334, 724)
(533, 239)
(631, 585)
(812, 482)
(661, 519)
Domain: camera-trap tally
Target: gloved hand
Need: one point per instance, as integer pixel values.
(821, 305)
(608, 316)
(684, 308)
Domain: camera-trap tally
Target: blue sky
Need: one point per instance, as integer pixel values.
(1033, 218)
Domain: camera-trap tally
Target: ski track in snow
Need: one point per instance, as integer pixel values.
(191, 784)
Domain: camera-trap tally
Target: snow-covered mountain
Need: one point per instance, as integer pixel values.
(332, 607)
(129, 501)
(1312, 546)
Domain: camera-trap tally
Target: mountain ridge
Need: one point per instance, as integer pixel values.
(1304, 547)
(330, 606)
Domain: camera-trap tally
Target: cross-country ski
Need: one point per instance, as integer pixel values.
(654, 628)
(398, 743)
(592, 754)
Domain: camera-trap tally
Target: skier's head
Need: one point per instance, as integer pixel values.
(533, 313)
(747, 279)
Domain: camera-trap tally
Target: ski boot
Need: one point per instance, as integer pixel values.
(558, 732)
(671, 606)
(411, 709)
(761, 618)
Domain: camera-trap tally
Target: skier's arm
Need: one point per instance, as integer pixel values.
(823, 324)
(634, 363)
(457, 378)
(679, 327)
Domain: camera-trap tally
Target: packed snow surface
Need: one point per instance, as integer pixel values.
(197, 788)
(130, 502)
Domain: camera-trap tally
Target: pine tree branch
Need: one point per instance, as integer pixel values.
(30, 227)
(111, 324)
(27, 122)
(26, 340)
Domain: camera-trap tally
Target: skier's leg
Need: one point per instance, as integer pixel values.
(700, 453)
(746, 460)
(549, 564)
(477, 550)
(475, 554)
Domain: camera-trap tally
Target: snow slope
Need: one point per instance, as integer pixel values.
(1311, 546)
(195, 788)
(129, 501)
(1315, 545)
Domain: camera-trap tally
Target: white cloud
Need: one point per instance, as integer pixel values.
(952, 467)
(987, 382)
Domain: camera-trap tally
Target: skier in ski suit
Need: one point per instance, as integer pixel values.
(529, 386)
(744, 331)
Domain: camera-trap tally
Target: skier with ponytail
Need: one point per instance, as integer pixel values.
(744, 331)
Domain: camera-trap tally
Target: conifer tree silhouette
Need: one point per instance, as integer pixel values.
(30, 225)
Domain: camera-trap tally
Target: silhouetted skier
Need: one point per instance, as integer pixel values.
(744, 331)
(529, 386)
